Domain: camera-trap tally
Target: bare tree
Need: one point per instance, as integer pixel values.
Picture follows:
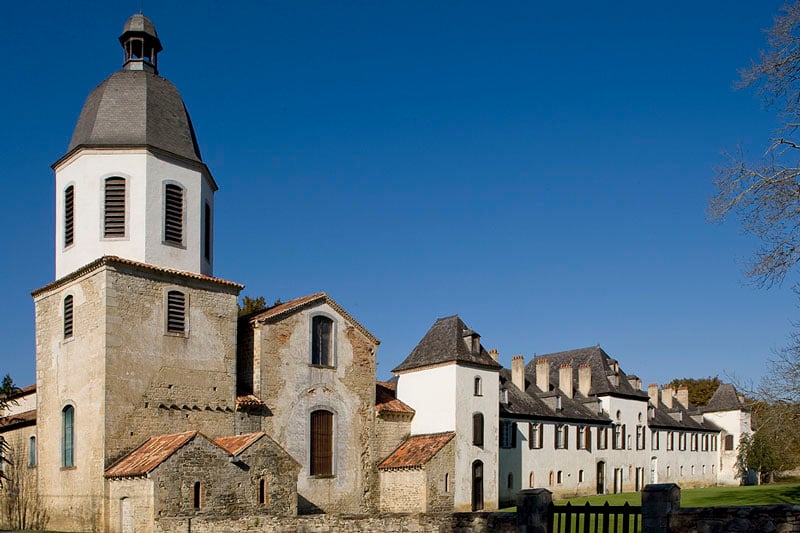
(765, 194)
(7, 391)
(21, 507)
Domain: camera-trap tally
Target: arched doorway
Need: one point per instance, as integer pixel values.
(477, 486)
(601, 477)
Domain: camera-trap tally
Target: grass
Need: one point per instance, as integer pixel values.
(785, 492)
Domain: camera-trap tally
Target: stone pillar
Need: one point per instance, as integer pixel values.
(658, 501)
(532, 508)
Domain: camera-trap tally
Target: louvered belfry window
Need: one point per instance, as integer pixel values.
(68, 317)
(69, 215)
(173, 214)
(321, 443)
(176, 312)
(114, 209)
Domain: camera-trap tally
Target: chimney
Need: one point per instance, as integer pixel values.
(666, 397)
(565, 379)
(584, 379)
(518, 371)
(494, 354)
(543, 374)
(683, 396)
(652, 393)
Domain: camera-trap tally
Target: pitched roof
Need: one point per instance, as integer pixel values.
(602, 367)
(236, 444)
(444, 343)
(281, 310)
(386, 400)
(533, 403)
(417, 450)
(112, 261)
(149, 455)
(26, 418)
(249, 400)
(725, 398)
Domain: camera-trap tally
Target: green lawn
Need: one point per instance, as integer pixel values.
(710, 496)
(706, 497)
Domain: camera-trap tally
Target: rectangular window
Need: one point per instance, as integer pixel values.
(654, 439)
(694, 438)
(173, 214)
(207, 232)
(619, 440)
(508, 434)
(580, 438)
(114, 212)
(322, 341)
(477, 429)
(561, 437)
(69, 216)
(68, 316)
(32, 451)
(682, 441)
(670, 441)
(602, 438)
(640, 437)
(535, 435)
(176, 312)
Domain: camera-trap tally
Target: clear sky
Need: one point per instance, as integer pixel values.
(541, 169)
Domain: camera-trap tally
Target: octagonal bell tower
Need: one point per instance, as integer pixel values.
(132, 183)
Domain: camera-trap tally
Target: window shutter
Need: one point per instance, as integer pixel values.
(477, 429)
(68, 316)
(176, 312)
(321, 443)
(173, 214)
(114, 220)
(69, 216)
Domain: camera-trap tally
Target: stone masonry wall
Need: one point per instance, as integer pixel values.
(390, 431)
(441, 480)
(403, 490)
(435, 523)
(778, 518)
(20, 485)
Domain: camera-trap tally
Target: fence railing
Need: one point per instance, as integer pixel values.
(594, 518)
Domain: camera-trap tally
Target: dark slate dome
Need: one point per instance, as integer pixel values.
(136, 106)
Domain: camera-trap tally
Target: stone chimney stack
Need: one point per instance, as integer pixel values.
(666, 397)
(565, 379)
(494, 354)
(652, 393)
(683, 397)
(584, 379)
(543, 374)
(518, 371)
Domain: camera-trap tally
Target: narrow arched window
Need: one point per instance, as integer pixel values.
(176, 312)
(478, 386)
(68, 436)
(173, 214)
(322, 341)
(262, 492)
(197, 495)
(477, 429)
(114, 207)
(32, 451)
(68, 316)
(510, 480)
(69, 216)
(531, 480)
(321, 445)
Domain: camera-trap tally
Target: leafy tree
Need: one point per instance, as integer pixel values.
(700, 389)
(7, 390)
(252, 305)
(756, 452)
(764, 194)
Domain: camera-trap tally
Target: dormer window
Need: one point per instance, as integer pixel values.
(504, 396)
(558, 403)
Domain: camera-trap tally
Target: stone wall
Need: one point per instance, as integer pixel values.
(440, 472)
(441, 523)
(403, 490)
(778, 518)
(391, 429)
(19, 501)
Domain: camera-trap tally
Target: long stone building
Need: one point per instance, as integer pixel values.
(154, 400)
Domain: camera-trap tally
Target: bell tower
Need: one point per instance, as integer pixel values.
(132, 183)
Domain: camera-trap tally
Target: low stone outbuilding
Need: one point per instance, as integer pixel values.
(187, 474)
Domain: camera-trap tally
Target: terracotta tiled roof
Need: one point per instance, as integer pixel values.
(236, 444)
(149, 455)
(287, 308)
(111, 260)
(24, 391)
(386, 400)
(25, 418)
(417, 450)
(248, 400)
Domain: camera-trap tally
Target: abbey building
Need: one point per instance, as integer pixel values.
(154, 400)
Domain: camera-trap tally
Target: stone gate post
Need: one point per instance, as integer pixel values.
(532, 507)
(658, 501)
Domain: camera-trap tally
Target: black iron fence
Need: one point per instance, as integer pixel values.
(594, 518)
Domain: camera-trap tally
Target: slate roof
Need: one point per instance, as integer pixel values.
(138, 23)
(276, 312)
(725, 398)
(600, 364)
(417, 450)
(135, 108)
(149, 455)
(26, 418)
(236, 444)
(444, 343)
(532, 404)
(386, 400)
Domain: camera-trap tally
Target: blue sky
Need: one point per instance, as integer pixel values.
(540, 169)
